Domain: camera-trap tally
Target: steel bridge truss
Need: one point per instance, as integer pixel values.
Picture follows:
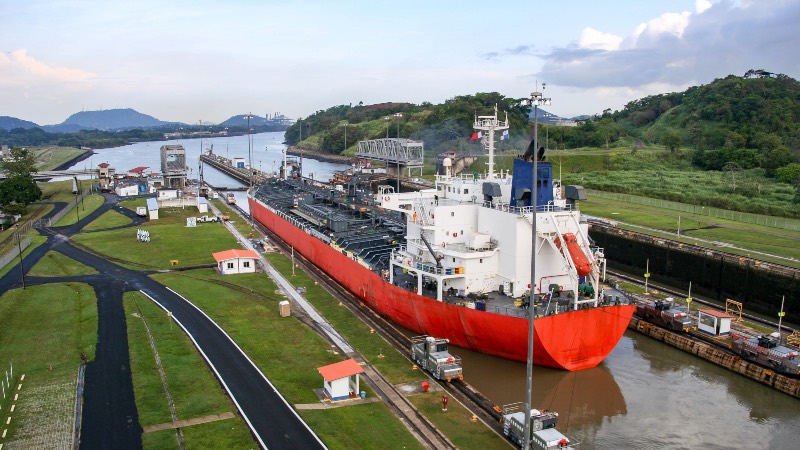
(397, 151)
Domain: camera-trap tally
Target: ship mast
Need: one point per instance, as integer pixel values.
(490, 124)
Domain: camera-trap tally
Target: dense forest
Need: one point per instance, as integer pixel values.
(735, 123)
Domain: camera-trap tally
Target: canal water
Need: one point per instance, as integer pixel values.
(267, 149)
(645, 395)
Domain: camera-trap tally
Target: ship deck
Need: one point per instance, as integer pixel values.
(368, 235)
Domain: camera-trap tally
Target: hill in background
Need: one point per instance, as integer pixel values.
(9, 123)
(109, 119)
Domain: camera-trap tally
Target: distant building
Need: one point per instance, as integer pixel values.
(235, 261)
(137, 171)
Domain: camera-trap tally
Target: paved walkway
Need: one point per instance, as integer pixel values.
(110, 418)
(424, 431)
(189, 422)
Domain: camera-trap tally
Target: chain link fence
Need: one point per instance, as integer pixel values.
(757, 219)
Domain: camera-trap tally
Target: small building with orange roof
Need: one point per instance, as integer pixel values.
(341, 379)
(235, 261)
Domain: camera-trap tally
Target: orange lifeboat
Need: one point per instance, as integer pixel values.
(578, 257)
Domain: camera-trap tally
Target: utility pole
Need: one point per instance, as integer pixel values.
(535, 99)
(19, 245)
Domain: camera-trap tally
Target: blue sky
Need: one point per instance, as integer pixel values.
(203, 60)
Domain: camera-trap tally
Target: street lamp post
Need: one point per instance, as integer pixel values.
(398, 116)
(345, 135)
(535, 100)
(249, 149)
(19, 246)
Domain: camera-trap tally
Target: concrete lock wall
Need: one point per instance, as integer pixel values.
(14, 252)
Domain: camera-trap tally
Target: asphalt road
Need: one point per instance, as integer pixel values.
(110, 418)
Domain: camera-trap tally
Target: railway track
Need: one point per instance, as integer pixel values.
(710, 305)
(473, 400)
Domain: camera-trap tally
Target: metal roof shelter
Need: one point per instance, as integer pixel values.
(235, 261)
(338, 382)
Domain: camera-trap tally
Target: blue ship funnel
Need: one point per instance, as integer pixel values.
(522, 184)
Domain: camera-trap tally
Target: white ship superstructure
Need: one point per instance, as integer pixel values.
(473, 235)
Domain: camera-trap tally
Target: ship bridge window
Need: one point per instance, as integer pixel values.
(466, 191)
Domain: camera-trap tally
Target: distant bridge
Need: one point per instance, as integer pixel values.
(46, 174)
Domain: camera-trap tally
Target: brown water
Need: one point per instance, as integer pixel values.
(647, 395)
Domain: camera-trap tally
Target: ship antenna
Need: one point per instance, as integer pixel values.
(490, 124)
(535, 100)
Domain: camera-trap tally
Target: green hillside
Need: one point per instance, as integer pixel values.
(733, 143)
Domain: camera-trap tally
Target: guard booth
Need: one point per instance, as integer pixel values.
(341, 379)
(713, 322)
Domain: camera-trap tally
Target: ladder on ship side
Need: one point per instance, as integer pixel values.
(424, 216)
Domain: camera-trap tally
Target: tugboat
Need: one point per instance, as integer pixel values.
(454, 261)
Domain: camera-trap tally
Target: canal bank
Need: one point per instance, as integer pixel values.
(715, 274)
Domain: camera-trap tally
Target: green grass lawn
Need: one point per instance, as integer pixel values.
(238, 222)
(84, 208)
(394, 366)
(51, 156)
(54, 264)
(109, 219)
(286, 351)
(751, 237)
(194, 390)
(36, 240)
(44, 331)
(456, 423)
(170, 239)
(59, 191)
(369, 425)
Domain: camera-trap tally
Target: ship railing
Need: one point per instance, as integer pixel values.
(526, 210)
(460, 246)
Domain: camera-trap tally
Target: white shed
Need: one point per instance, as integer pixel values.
(152, 208)
(202, 205)
(236, 261)
(713, 322)
(164, 194)
(341, 379)
(127, 191)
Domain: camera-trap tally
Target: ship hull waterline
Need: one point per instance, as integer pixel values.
(572, 340)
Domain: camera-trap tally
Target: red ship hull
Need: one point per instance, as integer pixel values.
(573, 340)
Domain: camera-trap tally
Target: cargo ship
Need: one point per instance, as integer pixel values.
(454, 261)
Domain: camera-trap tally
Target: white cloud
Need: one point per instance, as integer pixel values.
(593, 39)
(677, 50)
(701, 5)
(21, 70)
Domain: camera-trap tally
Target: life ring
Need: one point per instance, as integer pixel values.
(386, 198)
(455, 234)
